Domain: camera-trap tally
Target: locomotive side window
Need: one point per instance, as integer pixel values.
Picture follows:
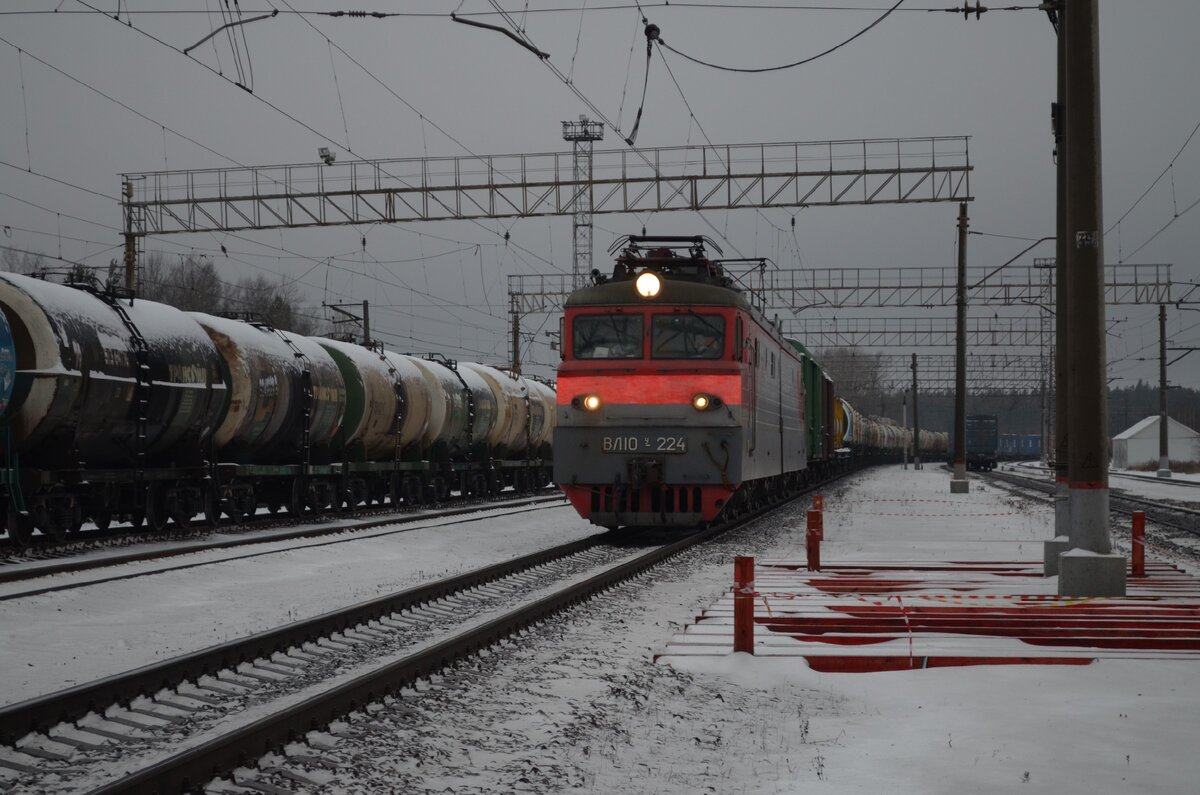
(688, 336)
(607, 336)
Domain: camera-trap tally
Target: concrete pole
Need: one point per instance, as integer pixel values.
(1164, 456)
(916, 421)
(904, 424)
(516, 339)
(130, 238)
(366, 324)
(1062, 328)
(959, 483)
(1101, 573)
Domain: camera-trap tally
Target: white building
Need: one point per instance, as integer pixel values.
(1138, 445)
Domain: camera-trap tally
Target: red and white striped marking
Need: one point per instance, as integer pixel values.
(918, 614)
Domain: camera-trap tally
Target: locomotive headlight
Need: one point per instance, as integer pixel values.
(591, 402)
(703, 402)
(648, 284)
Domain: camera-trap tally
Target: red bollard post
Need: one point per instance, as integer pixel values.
(813, 544)
(1138, 538)
(818, 502)
(816, 521)
(743, 604)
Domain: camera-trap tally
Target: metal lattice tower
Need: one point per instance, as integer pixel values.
(582, 134)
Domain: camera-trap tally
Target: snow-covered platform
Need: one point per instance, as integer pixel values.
(915, 577)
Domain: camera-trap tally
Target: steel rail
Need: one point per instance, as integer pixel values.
(15, 572)
(215, 757)
(42, 713)
(1155, 512)
(196, 766)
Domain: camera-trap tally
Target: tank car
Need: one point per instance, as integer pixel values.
(115, 408)
(880, 438)
(101, 387)
(678, 400)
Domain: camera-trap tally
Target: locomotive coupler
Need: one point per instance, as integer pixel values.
(645, 472)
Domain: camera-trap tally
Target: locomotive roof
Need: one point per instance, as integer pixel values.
(674, 291)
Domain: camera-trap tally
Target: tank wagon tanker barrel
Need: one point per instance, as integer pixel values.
(679, 402)
(119, 409)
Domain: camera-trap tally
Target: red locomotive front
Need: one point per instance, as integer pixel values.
(669, 393)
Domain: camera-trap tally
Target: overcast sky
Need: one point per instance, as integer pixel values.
(438, 88)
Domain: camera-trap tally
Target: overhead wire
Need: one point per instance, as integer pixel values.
(1157, 179)
(261, 99)
(421, 116)
(55, 179)
(1162, 229)
(801, 62)
(662, 4)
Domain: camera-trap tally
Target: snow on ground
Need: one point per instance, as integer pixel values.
(1113, 726)
(59, 639)
(578, 704)
(1180, 487)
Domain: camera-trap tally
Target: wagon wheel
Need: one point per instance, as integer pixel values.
(314, 500)
(181, 514)
(102, 519)
(156, 509)
(296, 506)
(20, 527)
(212, 508)
(76, 520)
(360, 494)
(55, 532)
(251, 510)
(136, 518)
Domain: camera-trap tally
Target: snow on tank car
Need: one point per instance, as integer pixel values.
(77, 375)
(103, 382)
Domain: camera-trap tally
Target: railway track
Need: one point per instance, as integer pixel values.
(48, 561)
(1175, 517)
(176, 725)
(43, 547)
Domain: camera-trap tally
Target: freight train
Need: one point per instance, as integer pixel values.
(680, 402)
(115, 409)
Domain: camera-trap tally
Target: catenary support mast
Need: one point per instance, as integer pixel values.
(1089, 568)
(959, 484)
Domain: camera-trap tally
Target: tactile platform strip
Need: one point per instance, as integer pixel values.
(906, 615)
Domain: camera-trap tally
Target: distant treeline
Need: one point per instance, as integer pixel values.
(189, 282)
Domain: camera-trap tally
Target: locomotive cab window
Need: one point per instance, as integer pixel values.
(607, 336)
(687, 336)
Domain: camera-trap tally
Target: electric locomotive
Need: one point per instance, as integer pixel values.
(678, 400)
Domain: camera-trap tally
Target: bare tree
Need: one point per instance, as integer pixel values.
(857, 373)
(15, 261)
(276, 303)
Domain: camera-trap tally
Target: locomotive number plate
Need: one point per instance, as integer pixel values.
(644, 444)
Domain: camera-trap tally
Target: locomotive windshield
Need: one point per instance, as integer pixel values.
(608, 336)
(688, 336)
